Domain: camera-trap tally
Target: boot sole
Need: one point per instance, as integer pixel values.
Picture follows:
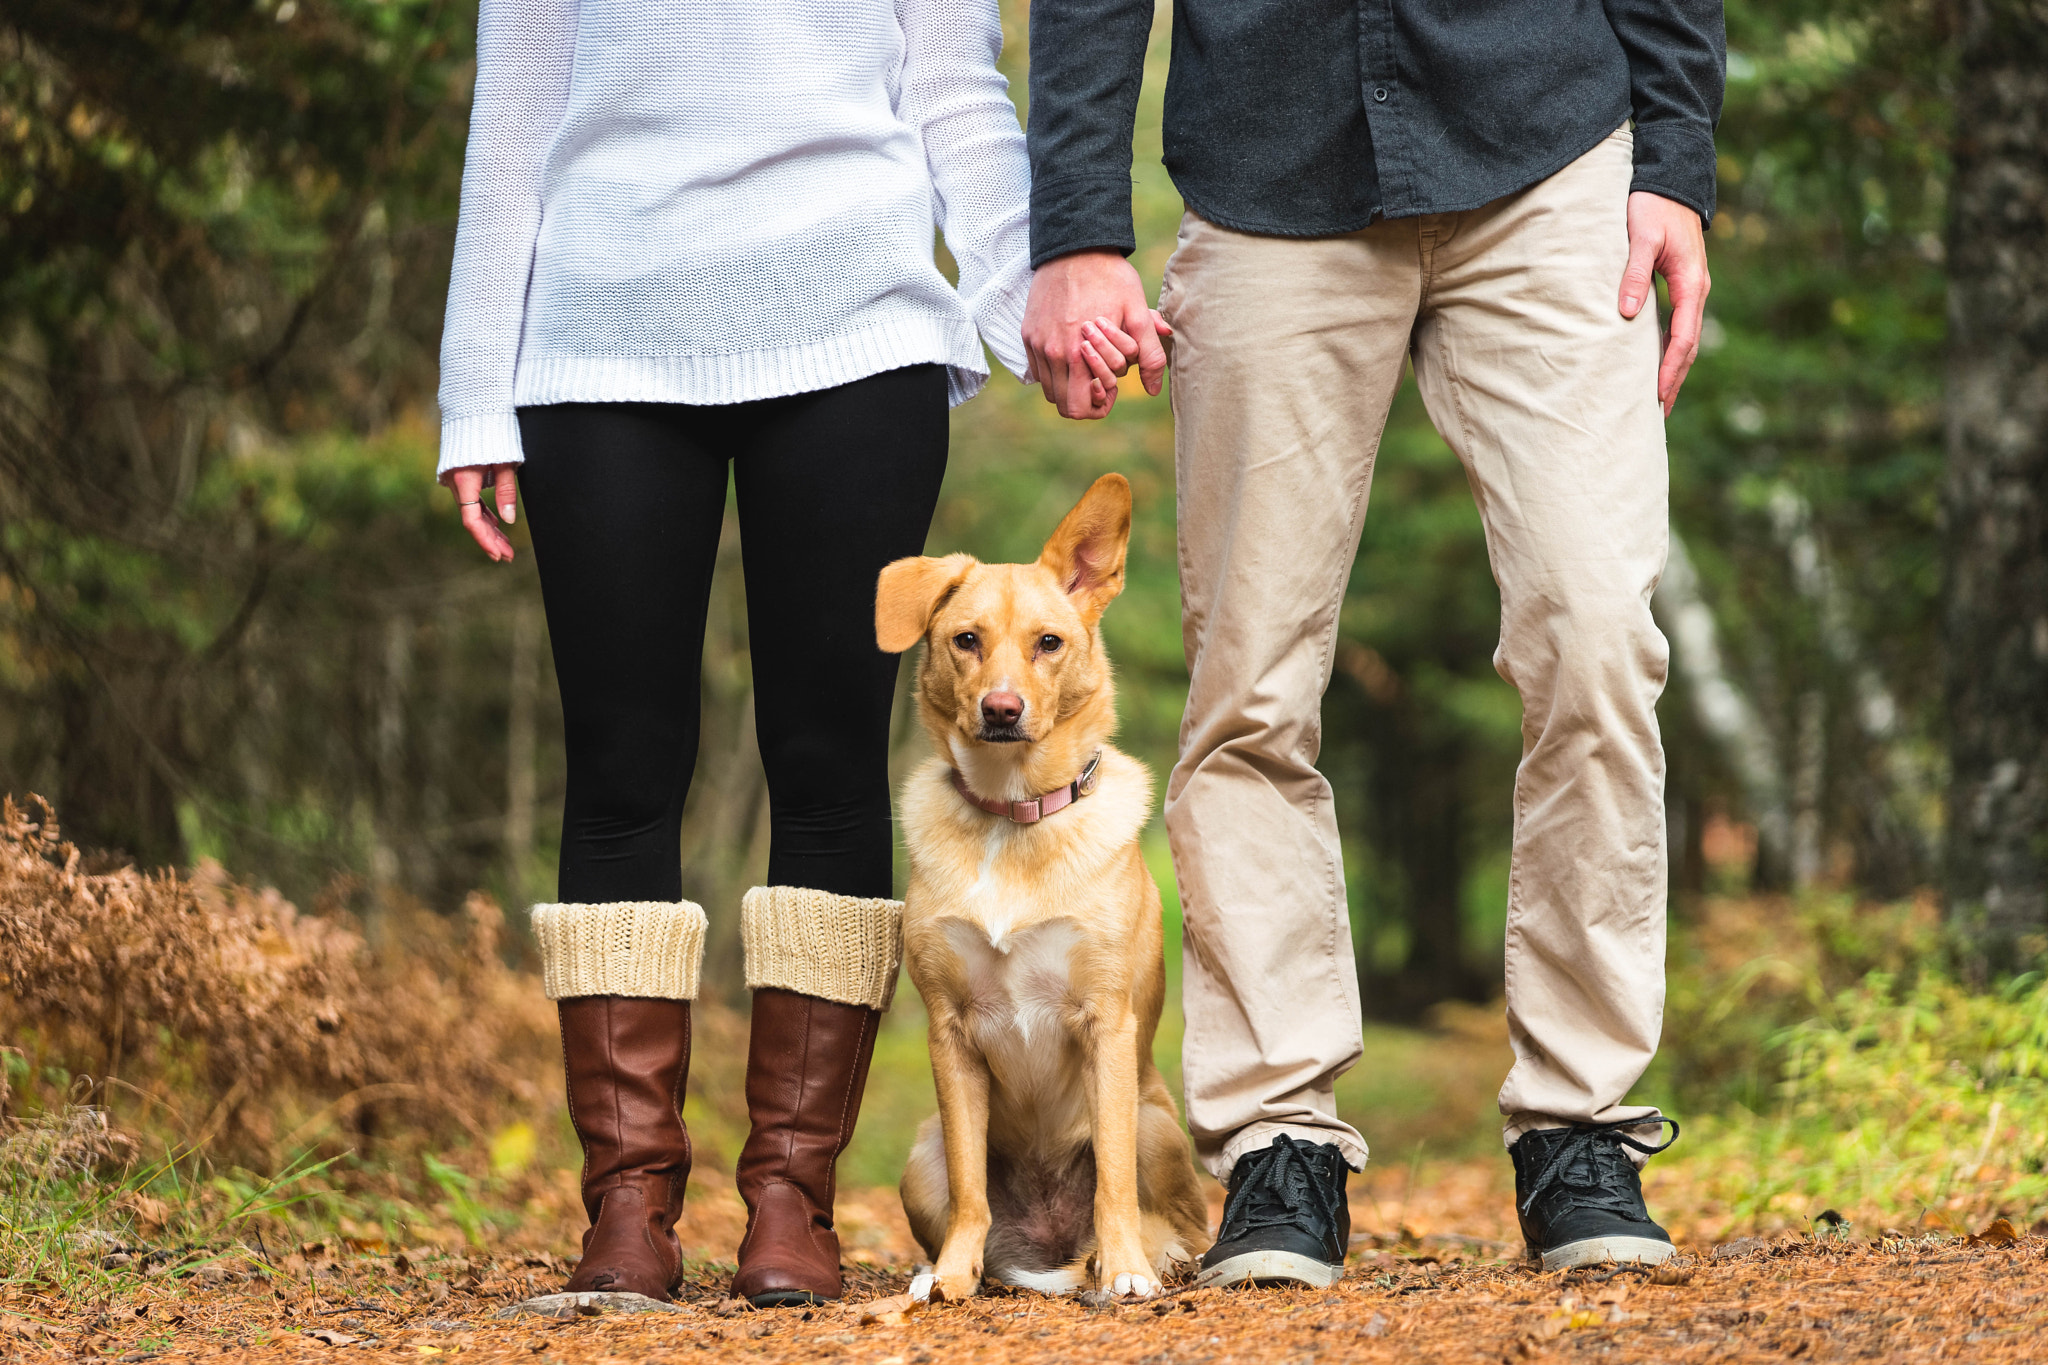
(787, 1298)
(1602, 1250)
(1270, 1267)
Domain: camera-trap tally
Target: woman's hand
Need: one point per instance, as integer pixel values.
(501, 484)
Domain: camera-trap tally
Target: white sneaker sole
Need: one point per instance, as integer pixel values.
(1603, 1250)
(1270, 1267)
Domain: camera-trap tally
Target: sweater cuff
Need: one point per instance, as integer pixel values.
(483, 439)
(999, 317)
(1676, 161)
(1081, 213)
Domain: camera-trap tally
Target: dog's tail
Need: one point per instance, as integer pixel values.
(1064, 1280)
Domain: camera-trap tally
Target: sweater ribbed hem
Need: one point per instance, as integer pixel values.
(999, 317)
(651, 949)
(479, 439)
(840, 948)
(747, 376)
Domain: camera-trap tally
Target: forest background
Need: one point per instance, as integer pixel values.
(240, 625)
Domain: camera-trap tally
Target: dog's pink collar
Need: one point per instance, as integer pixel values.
(1038, 807)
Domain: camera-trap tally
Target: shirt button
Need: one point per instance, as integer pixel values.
(1380, 93)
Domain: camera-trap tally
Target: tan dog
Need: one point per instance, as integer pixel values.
(1056, 1160)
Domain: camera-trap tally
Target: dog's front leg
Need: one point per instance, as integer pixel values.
(961, 1075)
(1120, 1247)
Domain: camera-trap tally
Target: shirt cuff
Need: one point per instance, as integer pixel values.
(1081, 213)
(1677, 161)
(481, 439)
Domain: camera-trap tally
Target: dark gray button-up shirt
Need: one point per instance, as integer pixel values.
(1304, 118)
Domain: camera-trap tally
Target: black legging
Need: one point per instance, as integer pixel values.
(625, 501)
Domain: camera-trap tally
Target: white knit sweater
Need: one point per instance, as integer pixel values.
(711, 201)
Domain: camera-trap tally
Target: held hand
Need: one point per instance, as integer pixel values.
(1085, 324)
(1665, 237)
(471, 488)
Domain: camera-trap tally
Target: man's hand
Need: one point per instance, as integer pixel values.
(1665, 237)
(1085, 324)
(470, 491)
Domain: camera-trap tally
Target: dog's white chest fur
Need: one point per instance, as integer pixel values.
(1020, 1000)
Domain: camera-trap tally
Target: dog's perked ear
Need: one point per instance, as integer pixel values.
(909, 592)
(1087, 552)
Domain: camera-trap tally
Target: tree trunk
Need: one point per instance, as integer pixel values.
(1996, 612)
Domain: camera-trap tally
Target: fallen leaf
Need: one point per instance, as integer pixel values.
(728, 1308)
(332, 1337)
(893, 1311)
(23, 1329)
(1671, 1273)
(2001, 1233)
(1741, 1246)
(152, 1213)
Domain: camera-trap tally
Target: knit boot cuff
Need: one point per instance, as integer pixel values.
(815, 943)
(643, 948)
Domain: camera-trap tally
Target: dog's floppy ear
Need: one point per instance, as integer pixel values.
(907, 594)
(1087, 552)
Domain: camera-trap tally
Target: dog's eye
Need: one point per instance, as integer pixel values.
(1049, 644)
(965, 640)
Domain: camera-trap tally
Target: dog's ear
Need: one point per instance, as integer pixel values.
(909, 592)
(1087, 552)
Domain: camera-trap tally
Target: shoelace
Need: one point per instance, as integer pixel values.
(1588, 1163)
(1283, 1190)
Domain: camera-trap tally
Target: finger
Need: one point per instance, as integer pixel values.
(1151, 358)
(1112, 355)
(1688, 315)
(466, 482)
(1160, 324)
(1079, 402)
(1099, 367)
(1125, 344)
(1052, 378)
(1101, 398)
(1635, 281)
(486, 534)
(508, 494)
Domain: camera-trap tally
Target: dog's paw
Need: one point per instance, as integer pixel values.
(1132, 1288)
(938, 1287)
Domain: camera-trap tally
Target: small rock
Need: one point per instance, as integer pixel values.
(588, 1305)
(1376, 1326)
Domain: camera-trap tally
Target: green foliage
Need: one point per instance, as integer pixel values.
(72, 1197)
(1909, 1100)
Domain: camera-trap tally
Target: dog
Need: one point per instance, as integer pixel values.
(1031, 927)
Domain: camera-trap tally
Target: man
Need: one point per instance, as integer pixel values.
(1370, 182)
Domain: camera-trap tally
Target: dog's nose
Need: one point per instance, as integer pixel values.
(1001, 708)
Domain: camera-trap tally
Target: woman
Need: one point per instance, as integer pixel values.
(697, 234)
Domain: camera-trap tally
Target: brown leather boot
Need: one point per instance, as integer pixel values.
(807, 1064)
(627, 1058)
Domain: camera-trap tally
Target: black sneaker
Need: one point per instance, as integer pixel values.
(1285, 1221)
(1581, 1198)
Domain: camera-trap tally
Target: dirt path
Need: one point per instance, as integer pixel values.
(1424, 1291)
(1793, 1300)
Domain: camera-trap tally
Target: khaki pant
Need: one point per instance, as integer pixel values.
(1287, 353)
